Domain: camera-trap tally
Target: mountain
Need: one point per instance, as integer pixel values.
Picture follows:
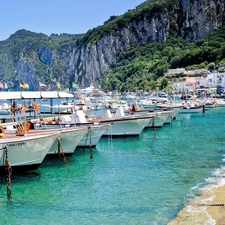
(88, 58)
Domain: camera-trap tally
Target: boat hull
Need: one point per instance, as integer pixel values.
(26, 152)
(69, 139)
(93, 136)
(126, 127)
(158, 120)
(169, 117)
(209, 106)
(198, 109)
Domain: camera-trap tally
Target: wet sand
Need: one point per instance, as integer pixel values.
(217, 208)
(207, 208)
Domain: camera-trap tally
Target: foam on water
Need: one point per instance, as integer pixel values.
(200, 197)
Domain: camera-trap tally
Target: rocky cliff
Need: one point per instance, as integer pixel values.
(87, 63)
(191, 19)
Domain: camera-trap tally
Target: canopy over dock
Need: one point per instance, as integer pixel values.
(11, 95)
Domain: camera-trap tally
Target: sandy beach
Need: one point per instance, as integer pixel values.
(207, 208)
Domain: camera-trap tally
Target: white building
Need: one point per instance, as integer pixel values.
(190, 84)
(215, 80)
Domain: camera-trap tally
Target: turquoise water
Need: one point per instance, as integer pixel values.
(133, 180)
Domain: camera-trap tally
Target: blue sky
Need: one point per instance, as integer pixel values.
(58, 16)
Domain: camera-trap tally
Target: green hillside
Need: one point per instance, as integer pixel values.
(25, 44)
(140, 66)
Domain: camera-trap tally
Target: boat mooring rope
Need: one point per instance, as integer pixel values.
(110, 143)
(86, 139)
(8, 173)
(91, 154)
(153, 127)
(60, 151)
(89, 134)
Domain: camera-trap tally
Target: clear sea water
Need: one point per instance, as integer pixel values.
(132, 180)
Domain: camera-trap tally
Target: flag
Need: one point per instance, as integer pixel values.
(6, 86)
(22, 85)
(26, 86)
(74, 85)
(1, 85)
(36, 106)
(58, 85)
(42, 86)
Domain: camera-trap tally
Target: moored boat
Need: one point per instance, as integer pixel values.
(192, 109)
(122, 125)
(69, 138)
(157, 121)
(209, 105)
(220, 102)
(90, 138)
(93, 135)
(26, 152)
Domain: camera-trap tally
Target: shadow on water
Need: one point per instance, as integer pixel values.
(56, 161)
(22, 176)
(59, 162)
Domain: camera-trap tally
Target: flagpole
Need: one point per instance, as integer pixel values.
(20, 89)
(40, 89)
(58, 87)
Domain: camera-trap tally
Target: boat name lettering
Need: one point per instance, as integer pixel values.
(16, 144)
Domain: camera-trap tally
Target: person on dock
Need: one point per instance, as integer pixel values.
(14, 110)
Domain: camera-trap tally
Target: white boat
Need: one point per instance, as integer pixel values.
(147, 104)
(95, 130)
(129, 98)
(209, 105)
(131, 126)
(220, 102)
(70, 138)
(1, 153)
(122, 125)
(28, 151)
(46, 108)
(157, 121)
(93, 136)
(4, 109)
(116, 104)
(170, 105)
(192, 109)
(171, 114)
(175, 113)
(160, 116)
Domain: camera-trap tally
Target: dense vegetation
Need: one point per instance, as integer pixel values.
(141, 66)
(24, 44)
